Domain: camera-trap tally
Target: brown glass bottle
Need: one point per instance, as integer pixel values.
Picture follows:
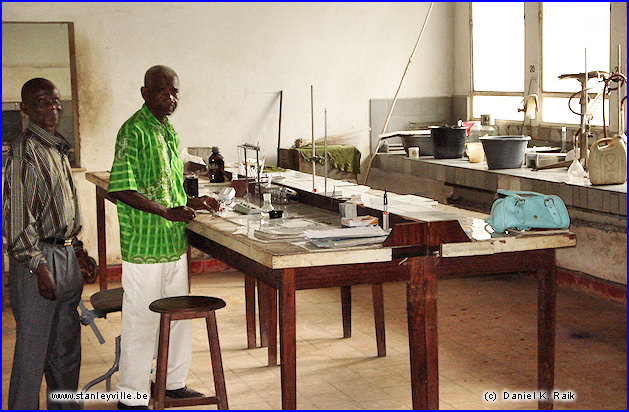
(216, 166)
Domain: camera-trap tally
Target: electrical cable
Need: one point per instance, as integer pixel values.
(621, 82)
(573, 95)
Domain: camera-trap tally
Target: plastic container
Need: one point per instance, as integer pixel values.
(448, 142)
(504, 152)
(474, 134)
(216, 166)
(607, 161)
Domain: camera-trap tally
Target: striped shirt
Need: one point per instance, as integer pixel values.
(146, 160)
(39, 196)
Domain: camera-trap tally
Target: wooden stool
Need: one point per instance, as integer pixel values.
(188, 307)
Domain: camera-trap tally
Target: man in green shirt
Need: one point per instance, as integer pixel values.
(153, 209)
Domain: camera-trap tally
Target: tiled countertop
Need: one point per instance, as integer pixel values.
(580, 194)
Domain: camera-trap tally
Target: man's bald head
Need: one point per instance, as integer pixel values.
(156, 72)
(31, 87)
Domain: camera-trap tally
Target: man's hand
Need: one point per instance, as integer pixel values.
(46, 282)
(180, 214)
(203, 202)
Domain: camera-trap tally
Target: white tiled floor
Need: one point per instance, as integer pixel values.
(487, 342)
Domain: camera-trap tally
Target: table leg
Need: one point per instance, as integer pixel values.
(250, 310)
(189, 263)
(102, 242)
(270, 295)
(546, 309)
(288, 353)
(421, 308)
(378, 317)
(263, 312)
(346, 310)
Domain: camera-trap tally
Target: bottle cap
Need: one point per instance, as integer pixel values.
(214, 149)
(487, 120)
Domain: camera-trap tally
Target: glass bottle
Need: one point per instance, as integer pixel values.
(216, 166)
(267, 206)
(487, 125)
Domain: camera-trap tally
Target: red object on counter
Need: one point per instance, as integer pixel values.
(468, 126)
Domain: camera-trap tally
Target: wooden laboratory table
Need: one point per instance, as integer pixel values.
(417, 252)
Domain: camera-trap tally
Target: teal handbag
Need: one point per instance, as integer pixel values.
(527, 210)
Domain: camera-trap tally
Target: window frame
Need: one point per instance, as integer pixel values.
(473, 92)
(533, 61)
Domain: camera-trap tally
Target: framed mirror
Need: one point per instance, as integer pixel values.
(39, 50)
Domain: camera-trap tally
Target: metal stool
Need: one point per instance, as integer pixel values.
(188, 307)
(103, 302)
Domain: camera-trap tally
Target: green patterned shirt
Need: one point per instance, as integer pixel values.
(146, 161)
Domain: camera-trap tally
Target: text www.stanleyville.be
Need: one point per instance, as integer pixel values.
(62, 396)
(506, 395)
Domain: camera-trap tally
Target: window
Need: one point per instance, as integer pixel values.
(498, 59)
(509, 50)
(42, 50)
(567, 33)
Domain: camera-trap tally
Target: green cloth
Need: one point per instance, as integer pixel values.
(343, 158)
(272, 168)
(146, 161)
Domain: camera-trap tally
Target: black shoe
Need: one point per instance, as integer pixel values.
(125, 406)
(180, 393)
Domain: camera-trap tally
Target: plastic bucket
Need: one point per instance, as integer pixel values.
(448, 142)
(422, 141)
(504, 152)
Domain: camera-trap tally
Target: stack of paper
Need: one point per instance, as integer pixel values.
(353, 236)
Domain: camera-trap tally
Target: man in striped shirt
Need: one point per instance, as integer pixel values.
(41, 217)
(153, 209)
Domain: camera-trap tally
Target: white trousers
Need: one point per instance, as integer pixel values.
(142, 284)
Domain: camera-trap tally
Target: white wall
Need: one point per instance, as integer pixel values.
(232, 60)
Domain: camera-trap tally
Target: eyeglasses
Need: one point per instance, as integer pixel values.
(42, 103)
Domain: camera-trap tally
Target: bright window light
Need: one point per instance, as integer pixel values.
(556, 111)
(501, 107)
(568, 29)
(498, 46)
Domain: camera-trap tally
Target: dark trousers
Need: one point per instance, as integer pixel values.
(48, 333)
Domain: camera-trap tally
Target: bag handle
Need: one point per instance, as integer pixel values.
(517, 194)
(549, 202)
(518, 203)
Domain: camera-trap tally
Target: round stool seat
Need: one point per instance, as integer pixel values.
(107, 301)
(183, 304)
